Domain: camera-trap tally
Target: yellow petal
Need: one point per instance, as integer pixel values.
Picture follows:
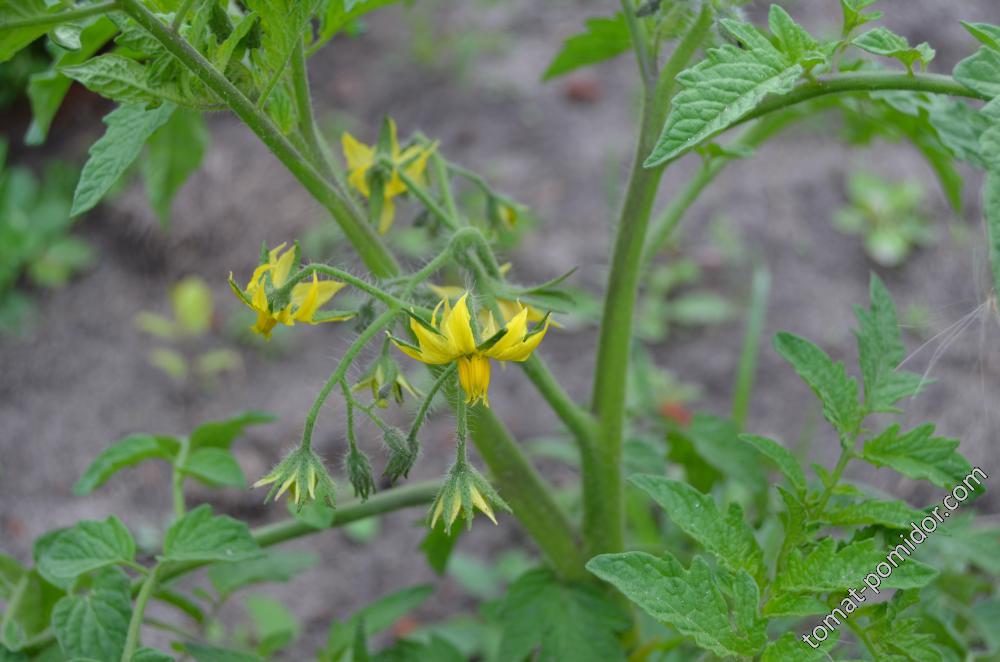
(456, 507)
(272, 255)
(474, 376)
(438, 508)
(479, 502)
(523, 350)
(282, 267)
(517, 328)
(288, 483)
(307, 298)
(457, 325)
(393, 140)
(434, 348)
(387, 215)
(358, 154)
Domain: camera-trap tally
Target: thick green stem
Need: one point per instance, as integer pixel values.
(59, 17)
(527, 494)
(307, 120)
(361, 235)
(751, 345)
(603, 524)
(134, 636)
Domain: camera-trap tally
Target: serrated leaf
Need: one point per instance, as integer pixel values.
(94, 625)
(792, 647)
(980, 72)
(47, 89)
(828, 380)
(373, 618)
(215, 467)
(11, 572)
(127, 452)
(603, 39)
(728, 537)
(88, 546)
(919, 455)
(895, 514)
(885, 42)
(722, 88)
(228, 578)
(341, 13)
(985, 33)
(128, 82)
(880, 351)
(12, 41)
(793, 604)
(793, 40)
(274, 624)
(691, 601)
(200, 536)
(221, 434)
(825, 568)
(782, 457)
(560, 621)
(128, 129)
(855, 17)
(166, 168)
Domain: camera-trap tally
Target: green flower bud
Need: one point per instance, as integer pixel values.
(303, 475)
(359, 472)
(464, 490)
(403, 452)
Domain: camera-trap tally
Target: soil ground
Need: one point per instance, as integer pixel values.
(470, 78)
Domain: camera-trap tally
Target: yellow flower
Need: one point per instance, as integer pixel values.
(303, 476)
(450, 336)
(361, 159)
(463, 491)
(508, 307)
(302, 303)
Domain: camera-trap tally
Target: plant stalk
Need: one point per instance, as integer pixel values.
(134, 636)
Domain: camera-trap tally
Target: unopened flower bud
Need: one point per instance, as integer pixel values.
(359, 472)
(303, 475)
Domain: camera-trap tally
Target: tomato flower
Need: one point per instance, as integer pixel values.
(362, 159)
(301, 304)
(301, 474)
(450, 336)
(464, 490)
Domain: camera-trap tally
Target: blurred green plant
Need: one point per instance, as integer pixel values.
(190, 324)
(670, 300)
(36, 247)
(887, 215)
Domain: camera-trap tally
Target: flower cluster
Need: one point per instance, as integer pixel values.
(268, 294)
(450, 335)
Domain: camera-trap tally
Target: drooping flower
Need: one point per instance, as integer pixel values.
(301, 474)
(362, 158)
(450, 336)
(463, 491)
(385, 379)
(301, 304)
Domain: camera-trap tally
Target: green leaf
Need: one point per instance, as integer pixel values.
(227, 578)
(694, 601)
(94, 625)
(33, 613)
(202, 653)
(215, 467)
(373, 618)
(828, 380)
(792, 38)
(919, 455)
(722, 88)
(782, 457)
(11, 572)
(127, 452)
(166, 168)
(991, 209)
(128, 129)
(603, 39)
(200, 536)
(151, 655)
(894, 514)
(792, 647)
(728, 537)
(826, 568)
(437, 649)
(985, 33)
(88, 546)
(880, 351)
(793, 604)
(980, 72)
(438, 544)
(341, 13)
(128, 82)
(12, 41)
(274, 625)
(855, 17)
(46, 90)
(562, 622)
(882, 41)
(221, 434)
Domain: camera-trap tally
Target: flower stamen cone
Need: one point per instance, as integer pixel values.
(464, 491)
(303, 475)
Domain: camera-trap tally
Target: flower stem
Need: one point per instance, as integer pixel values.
(135, 624)
(182, 12)
(602, 473)
(425, 406)
(360, 233)
(177, 479)
(59, 17)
